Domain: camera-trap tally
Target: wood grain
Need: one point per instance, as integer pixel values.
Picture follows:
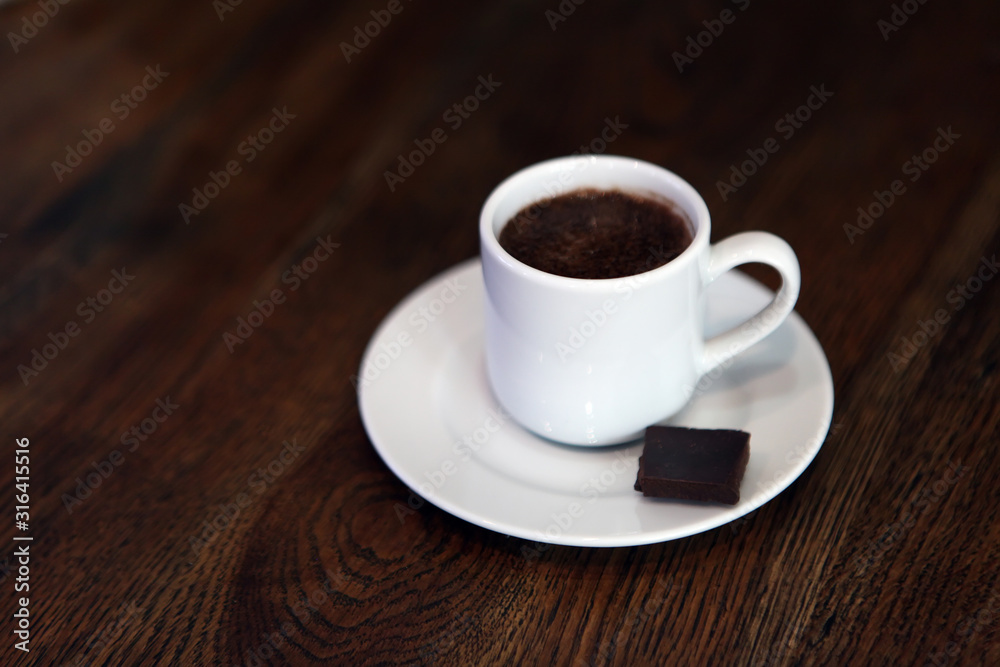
(881, 553)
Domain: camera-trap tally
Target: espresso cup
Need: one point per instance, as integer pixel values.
(596, 361)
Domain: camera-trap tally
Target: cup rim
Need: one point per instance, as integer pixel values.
(702, 219)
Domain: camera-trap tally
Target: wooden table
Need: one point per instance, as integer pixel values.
(168, 164)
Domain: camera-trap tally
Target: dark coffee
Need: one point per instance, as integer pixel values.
(596, 234)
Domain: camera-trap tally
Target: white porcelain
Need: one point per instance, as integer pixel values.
(428, 409)
(594, 362)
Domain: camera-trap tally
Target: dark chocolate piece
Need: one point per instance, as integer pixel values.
(693, 464)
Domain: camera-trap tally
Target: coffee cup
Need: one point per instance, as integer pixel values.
(595, 361)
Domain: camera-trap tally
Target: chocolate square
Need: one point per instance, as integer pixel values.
(693, 464)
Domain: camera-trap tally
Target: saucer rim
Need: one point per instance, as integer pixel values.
(727, 515)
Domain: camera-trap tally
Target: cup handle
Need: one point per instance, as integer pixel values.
(745, 248)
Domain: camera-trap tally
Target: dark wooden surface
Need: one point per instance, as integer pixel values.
(878, 554)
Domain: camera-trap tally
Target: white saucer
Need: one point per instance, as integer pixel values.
(426, 389)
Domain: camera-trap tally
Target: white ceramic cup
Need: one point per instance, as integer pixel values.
(594, 362)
